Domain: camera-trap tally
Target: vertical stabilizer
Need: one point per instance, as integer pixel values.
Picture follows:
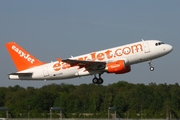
(21, 58)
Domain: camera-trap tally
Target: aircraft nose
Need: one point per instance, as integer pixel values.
(169, 48)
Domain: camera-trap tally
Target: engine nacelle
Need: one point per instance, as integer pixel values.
(118, 67)
(128, 69)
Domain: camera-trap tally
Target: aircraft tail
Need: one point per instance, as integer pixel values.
(21, 58)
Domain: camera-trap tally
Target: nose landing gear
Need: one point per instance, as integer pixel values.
(150, 65)
(96, 80)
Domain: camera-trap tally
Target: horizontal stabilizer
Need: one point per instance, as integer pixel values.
(21, 74)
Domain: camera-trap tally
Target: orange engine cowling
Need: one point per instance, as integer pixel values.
(118, 67)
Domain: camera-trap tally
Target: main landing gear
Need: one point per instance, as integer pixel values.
(96, 80)
(150, 65)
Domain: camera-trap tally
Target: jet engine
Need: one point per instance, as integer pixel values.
(118, 67)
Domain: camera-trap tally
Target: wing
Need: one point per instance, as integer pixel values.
(89, 65)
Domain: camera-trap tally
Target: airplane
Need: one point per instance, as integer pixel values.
(116, 60)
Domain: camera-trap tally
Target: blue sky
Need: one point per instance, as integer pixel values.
(51, 29)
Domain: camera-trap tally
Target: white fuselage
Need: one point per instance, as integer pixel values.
(131, 53)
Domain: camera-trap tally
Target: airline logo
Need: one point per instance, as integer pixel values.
(100, 56)
(22, 54)
(58, 66)
(112, 53)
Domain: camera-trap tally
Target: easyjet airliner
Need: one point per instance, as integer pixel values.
(117, 60)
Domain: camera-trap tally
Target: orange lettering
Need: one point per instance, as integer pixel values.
(85, 58)
(108, 52)
(80, 58)
(126, 50)
(65, 66)
(100, 56)
(137, 47)
(118, 52)
(57, 67)
(93, 56)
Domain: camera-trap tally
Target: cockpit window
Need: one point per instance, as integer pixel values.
(159, 43)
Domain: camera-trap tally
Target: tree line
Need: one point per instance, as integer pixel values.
(93, 101)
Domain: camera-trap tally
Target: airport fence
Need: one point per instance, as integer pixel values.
(78, 119)
(56, 119)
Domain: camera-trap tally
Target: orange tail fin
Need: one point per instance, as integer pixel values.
(21, 58)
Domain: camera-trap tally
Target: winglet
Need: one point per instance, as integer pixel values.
(21, 58)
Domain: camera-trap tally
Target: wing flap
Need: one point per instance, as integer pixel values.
(95, 65)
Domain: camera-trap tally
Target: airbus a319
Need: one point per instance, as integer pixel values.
(117, 60)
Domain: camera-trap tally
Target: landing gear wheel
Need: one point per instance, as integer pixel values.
(152, 68)
(95, 80)
(100, 81)
(150, 65)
